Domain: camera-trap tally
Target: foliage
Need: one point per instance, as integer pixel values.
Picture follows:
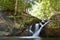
(7, 4)
(44, 9)
(23, 5)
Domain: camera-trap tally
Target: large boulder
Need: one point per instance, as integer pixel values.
(5, 24)
(53, 27)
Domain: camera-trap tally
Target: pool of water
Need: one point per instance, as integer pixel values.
(19, 38)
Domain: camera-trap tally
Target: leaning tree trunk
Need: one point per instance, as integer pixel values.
(16, 3)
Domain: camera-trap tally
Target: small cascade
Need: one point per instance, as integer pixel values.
(37, 28)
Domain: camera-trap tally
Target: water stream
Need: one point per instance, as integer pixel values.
(37, 28)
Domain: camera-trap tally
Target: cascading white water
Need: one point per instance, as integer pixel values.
(37, 29)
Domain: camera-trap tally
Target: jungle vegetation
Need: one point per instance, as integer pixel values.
(23, 13)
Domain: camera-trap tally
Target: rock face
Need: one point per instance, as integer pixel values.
(53, 27)
(5, 25)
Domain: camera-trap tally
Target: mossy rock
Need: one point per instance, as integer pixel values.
(53, 27)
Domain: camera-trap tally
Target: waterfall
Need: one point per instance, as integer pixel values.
(37, 29)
